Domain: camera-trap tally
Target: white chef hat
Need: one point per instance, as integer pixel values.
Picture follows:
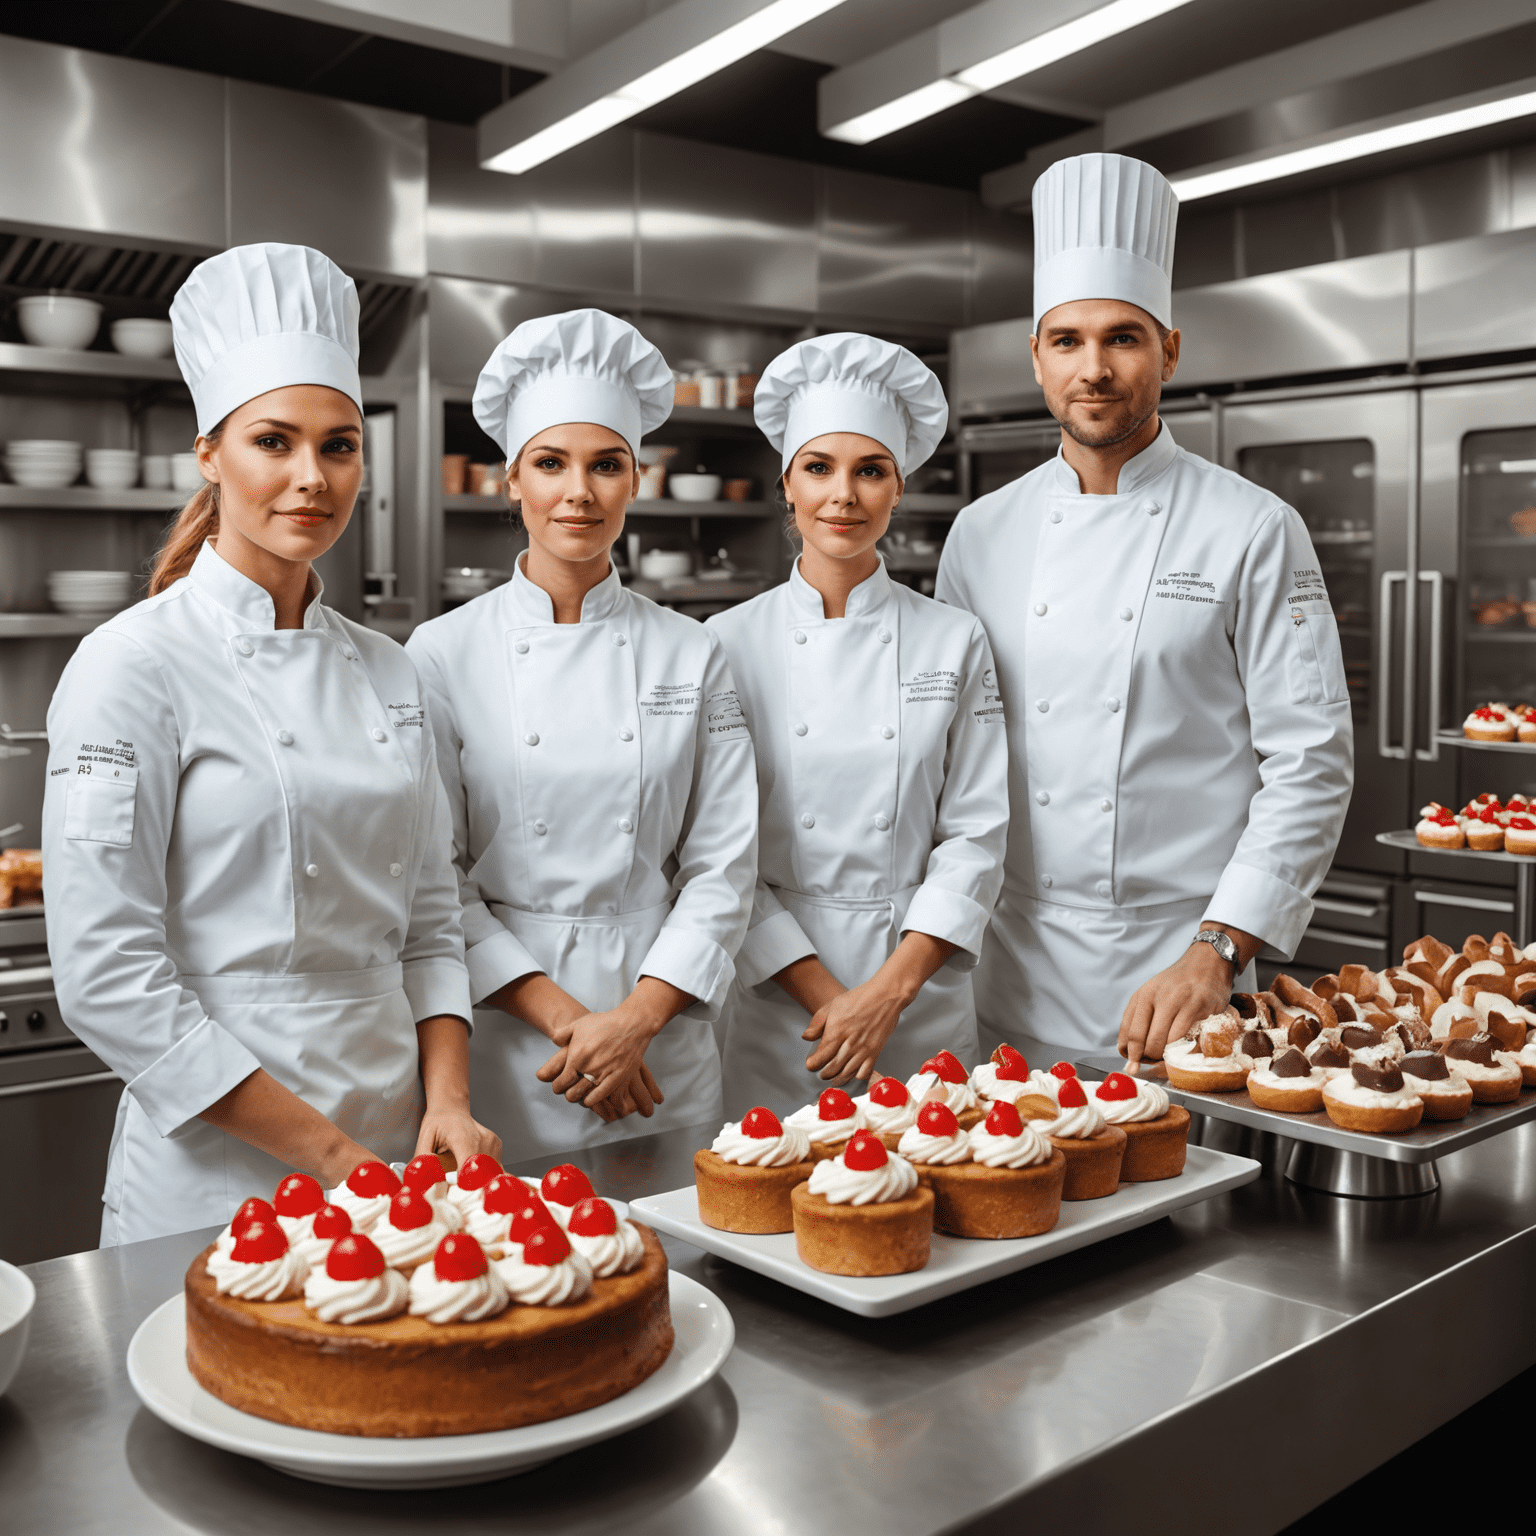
(584, 365)
(847, 382)
(260, 317)
(1104, 227)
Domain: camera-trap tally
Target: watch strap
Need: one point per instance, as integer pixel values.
(1221, 942)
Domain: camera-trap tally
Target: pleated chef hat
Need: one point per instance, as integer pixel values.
(260, 317)
(584, 365)
(852, 383)
(1104, 227)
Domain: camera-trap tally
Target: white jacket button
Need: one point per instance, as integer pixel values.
(1043, 705)
(887, 732)
(625, 734)
(311, 870)
(1046, 881)
(807, 821)
(245, 647)
(799, 637)
(521, 647)
(885, 637)
(531, 738)
(1126, 614)
(626, 825)
(379, 735)
(1042, 797)
(397, 870)
(1112, 705)
(540, 828)
(1106, 805)
(800, 728)
(1055, 517)
(1040, 609)
(883, 822)
(619, 640)
(286, 737)
(1153, 508)
(350, 655)
(1103, 888)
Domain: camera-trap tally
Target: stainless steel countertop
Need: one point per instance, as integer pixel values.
(1233, 1366)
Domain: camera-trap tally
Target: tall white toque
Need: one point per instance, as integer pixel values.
(1104, 228)
(261, 317)
(584, 365)
(847, 382)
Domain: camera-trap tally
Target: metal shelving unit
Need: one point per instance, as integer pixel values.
(18, 357)
(1525, 875)
(491, 505)
(86, 498)
(45, 626)
(1456, 739)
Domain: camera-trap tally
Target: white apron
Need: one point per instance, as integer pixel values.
(882, 779)
(603, 797)
(245, 865)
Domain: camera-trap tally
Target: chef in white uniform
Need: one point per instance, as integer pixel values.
(600, 775)
(252, 915)
(882, 758)
(1179, 728)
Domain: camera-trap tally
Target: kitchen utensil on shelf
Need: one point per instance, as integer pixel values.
(665, 564)
(653, 481)
(87, 593)
(111, 469)
(486, 479)
(18, 1296)
(185, 474)
(141, 338)
(462, 582)
(712, 391)
(57, 320)
(738, 490)
(43, 463)
(695, 487)
(455, 466)
(157, 471)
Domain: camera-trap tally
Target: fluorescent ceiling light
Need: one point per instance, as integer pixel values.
(925, 101)
(686, 68)
(1352, 147)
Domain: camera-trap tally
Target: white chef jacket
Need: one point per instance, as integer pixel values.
(604, 805)
(246, 864)
(882, 770)
(1178, 721)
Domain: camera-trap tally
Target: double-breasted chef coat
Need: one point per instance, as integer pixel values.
(882, 769)
(1178, 721)
(604, 805)
(246, 864)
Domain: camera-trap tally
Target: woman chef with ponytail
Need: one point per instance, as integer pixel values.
(252, 914)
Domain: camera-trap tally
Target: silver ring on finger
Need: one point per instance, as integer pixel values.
(590, 1078)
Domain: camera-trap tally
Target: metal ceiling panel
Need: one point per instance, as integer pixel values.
(469, 319)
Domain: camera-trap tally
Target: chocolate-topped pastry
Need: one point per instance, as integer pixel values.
(1428, 1065)
(1291, 1063)
(1302, 1031)
(1328, 1054)
(1254, 1008)
(1414, 1033)
(1256, 1043)
(1379, 1077)
(1359, 1037)
(1478, 1048)
(1494, 1075)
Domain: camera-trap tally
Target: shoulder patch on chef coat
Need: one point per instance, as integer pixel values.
(99, 803)
(933, 685)
(1316, 665)
(724, 718)
(1185, 587)
(990, 710)
(663, 699)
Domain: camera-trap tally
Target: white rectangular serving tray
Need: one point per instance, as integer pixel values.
(955, 1263)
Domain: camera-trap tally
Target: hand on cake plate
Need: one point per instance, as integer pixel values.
(1166, 1008)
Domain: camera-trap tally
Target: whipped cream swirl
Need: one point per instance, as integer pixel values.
(809, 1120)
(917, 1146)
(278, 1279)
(297, 1228)
(356, 1301)
(457, 1301)
(313, 1250)
(1150, 1103)
(1026, 1150)
(366, 1211)
(491, 1231)
(930, 1088)
(406, 1248)
(838, 1184)
(887, 1119)
(611, 1253)
(986, 1084)
(1045, 1082)
(545, 1285)
(792, 1145)
(1078, 1123)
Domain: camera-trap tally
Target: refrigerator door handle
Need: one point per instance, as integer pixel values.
(1389, 580)
(1431, 754)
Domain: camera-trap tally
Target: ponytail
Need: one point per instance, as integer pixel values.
(195, 524)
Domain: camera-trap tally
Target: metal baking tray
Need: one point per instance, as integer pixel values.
(1428, 1141)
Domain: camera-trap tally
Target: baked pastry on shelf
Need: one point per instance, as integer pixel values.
(1372, 1096)
(1438, 827)
(1156, 1131)
(744, 1180)
(1289, 1084)
(1495, 1076)
(863, 1212)
(1489, 722)
(1447, 1095)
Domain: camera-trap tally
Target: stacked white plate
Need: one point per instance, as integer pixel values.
(185, 475)
(111, 469)
(89, 593)
(43, 463)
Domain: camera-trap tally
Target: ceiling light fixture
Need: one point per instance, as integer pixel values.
(1010, 63)
(1354, 146)
(542, 122)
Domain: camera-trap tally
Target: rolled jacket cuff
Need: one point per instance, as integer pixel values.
(1261, 904)
(777, 941)
(693, 963)
(437, 984)
(197, 1071)
(950, 916)
(495, 961)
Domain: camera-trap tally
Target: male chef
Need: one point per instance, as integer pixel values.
(1181, 753)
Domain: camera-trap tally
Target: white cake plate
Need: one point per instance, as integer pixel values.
(157, 1367)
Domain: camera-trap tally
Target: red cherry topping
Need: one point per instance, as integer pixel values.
(546, 1246)
(421, 1173)
(1003, 1120)
(1487, 714)
(834, 1104)
(252, 1210)
(528, 1218)
(565, 1184)
(259, 1243)
(1485, 799)
(371, 1179)
(864, 1152)
(1522, 824)
(946, 1066)
(937, 1119)
(478, 1171)
(761, 1124)
(1011, 1066)
(505, 1194)
(408, 1211)
(593, 1218)
(1071, 1095)
(298, 1195)
(354, 1257)
(1063, 1070)
(1116, 1086)
(888, 1092)
(458, 1257)
(1489, 815)
(332, 1222)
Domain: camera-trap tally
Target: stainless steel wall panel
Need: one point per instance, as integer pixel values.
(1475, 296)
(1448, 201)
(1288, 232)
(1342, 314)
(111, 146)
(1002, 264)
(470, 318)
(991, 371)
(725, 226)
(892, 249)
(349, 180)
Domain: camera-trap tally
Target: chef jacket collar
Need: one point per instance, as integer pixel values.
(533, 605)
(868, 597)
(1135, 474)
(239, 595)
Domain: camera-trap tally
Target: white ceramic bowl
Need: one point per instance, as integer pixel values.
(142, 338)
(51, 477)
(17, 1298)
(44, 448)
(694, 487)
(111, 469)
(659, 564)
(54, 320)
(185, 475)
(157, 471)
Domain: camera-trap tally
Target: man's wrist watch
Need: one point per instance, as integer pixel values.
(1221, 943)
